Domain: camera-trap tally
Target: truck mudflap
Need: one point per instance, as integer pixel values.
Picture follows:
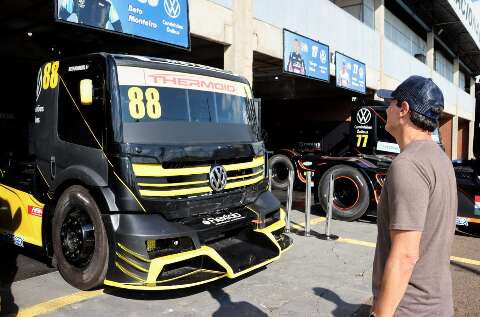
(232, 256)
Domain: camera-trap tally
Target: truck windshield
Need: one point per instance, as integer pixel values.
(160, 106)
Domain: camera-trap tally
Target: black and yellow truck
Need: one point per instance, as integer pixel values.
(139, 173)
(358, 156)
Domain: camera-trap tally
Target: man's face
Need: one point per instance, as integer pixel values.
(296, 46)
(393, 117)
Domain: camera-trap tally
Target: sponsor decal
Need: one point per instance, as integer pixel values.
(185, 81)
(35, 211)
(388, 147)
(477, 205)
(461, 221)
(223, 219)
(136, 76)
(364, 116)
(77, 68)
(172, 8)
(11, 238)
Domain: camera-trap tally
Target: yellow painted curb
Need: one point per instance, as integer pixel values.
(315, 221)
(58, 303)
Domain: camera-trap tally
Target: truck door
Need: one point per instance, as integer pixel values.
(78, 135)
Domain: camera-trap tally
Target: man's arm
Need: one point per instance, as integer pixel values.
(403, 256)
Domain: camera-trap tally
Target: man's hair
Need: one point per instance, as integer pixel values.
(424, 122)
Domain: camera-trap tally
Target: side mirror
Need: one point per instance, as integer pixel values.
(86, 92)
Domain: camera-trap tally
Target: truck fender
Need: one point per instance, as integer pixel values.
(84, 174)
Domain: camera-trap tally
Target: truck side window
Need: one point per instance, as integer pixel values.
(73, 117)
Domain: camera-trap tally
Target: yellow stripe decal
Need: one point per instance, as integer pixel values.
(245, 176)
(133, 253)
(156, 170)
(128, 273)
(172, 184)
(244, 183)
(57, 303)
(198, 190)
(177, 192)
(130, 262)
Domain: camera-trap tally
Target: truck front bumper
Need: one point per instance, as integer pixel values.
(232, 253)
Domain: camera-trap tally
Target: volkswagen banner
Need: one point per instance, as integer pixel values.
(350, 73)
(305, 57)
(164, 21)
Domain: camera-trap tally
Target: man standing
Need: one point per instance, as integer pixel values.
(417, 209)
(295, 60)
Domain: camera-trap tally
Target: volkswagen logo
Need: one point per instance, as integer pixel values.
(323, 57)
(363, 116)
(218, 178)
(172, 8)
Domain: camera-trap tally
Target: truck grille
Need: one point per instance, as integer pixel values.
(154, 180)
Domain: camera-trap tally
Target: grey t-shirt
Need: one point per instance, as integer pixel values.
(420, 194)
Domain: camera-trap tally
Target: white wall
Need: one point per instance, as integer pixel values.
(225, 3)
(399, 33)
(399, 65)
(320, 20)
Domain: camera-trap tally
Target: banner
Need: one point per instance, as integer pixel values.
(350, 73)
(158, 20)
(305, 57)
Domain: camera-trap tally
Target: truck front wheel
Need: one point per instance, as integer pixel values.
(351, 195)
(79, 238)
(280, 165)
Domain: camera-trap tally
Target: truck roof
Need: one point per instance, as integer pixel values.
(127, 60)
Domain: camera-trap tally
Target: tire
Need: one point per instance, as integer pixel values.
(351, 195)
(77, 218)
(280, 164)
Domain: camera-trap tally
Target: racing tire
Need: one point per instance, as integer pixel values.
(80, 242)
(351, 195)
(280, 165)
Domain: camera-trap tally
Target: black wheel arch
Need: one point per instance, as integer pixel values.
(103, 196)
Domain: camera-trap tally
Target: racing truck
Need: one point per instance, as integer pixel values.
(467, 173)
(359, 171)
(138, 173)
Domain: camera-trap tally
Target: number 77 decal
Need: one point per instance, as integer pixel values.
(361, 137)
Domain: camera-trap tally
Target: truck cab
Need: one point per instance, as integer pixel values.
(140, 173)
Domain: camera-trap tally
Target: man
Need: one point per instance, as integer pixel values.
(344, 77)
(97, 13)
(416, 211)
(295, 61)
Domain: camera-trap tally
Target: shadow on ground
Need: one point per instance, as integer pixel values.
(343, 308)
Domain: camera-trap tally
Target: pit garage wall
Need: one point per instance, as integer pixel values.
(244, 26)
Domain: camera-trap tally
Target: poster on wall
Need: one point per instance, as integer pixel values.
(350, 73)
(163, 21)
(303, 56)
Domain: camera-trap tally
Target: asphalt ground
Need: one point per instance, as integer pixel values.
(314, 278)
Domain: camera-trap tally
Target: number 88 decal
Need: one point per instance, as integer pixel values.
(50, 75)
(137, 107)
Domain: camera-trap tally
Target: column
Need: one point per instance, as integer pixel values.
(472, 86)
(471, 131)
(431, 51)
(380, 28)
(454, 137)
(238, 57)
(456, 73)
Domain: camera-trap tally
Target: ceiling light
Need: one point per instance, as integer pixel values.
(29, 34)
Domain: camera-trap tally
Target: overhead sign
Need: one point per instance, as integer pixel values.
(350, 73)
(158, 20)
(467, 14)
(305, 57)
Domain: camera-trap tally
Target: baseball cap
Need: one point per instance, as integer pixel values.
(421, 93)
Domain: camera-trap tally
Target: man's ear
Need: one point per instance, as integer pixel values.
(404, 108)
